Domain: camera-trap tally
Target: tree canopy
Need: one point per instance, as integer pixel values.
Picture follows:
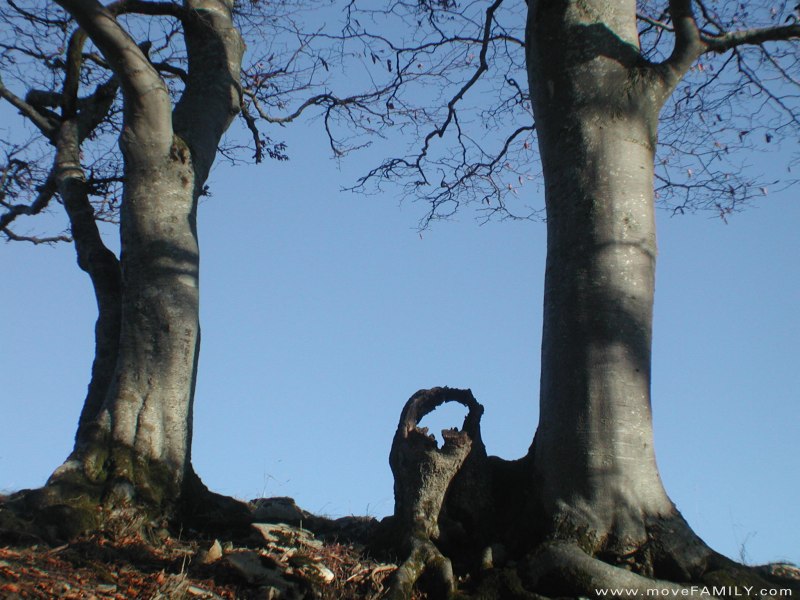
(450, 76)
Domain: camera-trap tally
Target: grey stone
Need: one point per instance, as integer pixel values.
(213, 554)
(278, 510)
(283, 535)
(269, 593)
(249, 566)
(781, 571)
(197, 592)
(319, 573)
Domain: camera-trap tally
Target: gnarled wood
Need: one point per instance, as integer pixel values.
(423, 474)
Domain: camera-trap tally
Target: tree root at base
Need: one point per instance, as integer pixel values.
(562, 568)
(558, 569)
(424, 559)
(72, 504)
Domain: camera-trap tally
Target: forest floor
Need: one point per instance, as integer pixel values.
(277, 562)
(286, 554)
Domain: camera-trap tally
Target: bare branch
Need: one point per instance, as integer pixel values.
(41, 201)
(147, 103)
(483, 66)
(147, 7)
(69, 94)
(257, 141)
(34, 18)
(45, 124)
(35, 240)
(724, 42)
(688, 46)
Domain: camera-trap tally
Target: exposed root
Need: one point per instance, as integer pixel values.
(424, 559)
(455, 507)
(677, 552)
(563, 569)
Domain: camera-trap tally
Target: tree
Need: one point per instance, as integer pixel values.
(587, 498)
(134, 436)
(164, 81)
(588, 494)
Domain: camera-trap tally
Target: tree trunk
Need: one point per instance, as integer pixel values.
(133, 446)
(585, 510)
(97, 261)
(596, 104)
(137, 443)
(147, 415)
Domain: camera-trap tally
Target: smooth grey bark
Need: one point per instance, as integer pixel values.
(137, 441)
(596, 105)
(585, 509)
(98, 262)
(93, 255)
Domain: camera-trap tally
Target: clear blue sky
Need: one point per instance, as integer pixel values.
(323, 311)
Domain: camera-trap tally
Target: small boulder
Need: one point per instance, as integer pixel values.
(279, 534)
(781, 571)
(213, 554)
(248, 566)
(278, 510)
(318, 573)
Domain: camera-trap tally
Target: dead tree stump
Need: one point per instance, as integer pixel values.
(423, 474)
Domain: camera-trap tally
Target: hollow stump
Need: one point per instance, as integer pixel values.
(423, 474)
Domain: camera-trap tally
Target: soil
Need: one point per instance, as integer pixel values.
(120, 565)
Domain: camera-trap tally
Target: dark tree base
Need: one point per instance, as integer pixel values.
(78, 500)
(470, 526)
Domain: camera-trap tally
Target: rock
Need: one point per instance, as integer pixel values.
(197, 592)
(278, 510)
(268, 593)
(345, 529)
(249, 567)
(285, 510)
(319, 573)
(283, 535)
(785, 571)
(213, 554)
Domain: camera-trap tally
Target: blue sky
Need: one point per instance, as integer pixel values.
(323, 311)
